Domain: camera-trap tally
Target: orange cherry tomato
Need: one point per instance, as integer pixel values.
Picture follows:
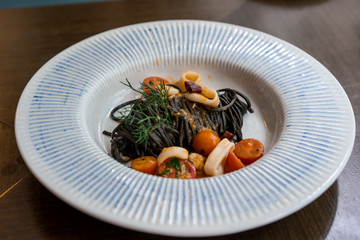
(177, 168)
(205, 141)
(232, 163)
(153, 82)
(249, 150)
(146, 164)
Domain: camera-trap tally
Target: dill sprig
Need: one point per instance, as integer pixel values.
(149, 114)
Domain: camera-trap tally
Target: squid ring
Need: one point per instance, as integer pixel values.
(169, 152)
(208, 97)
(214, 164)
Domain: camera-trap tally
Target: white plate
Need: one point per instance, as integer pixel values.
(302, 115)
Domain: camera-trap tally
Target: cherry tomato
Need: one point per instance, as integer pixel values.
(153, 82)
(249, 150)
(205, 141)
(146, 164)
(177, 168)
(233, 163)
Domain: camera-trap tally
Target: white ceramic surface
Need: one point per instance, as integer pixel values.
(302, 115)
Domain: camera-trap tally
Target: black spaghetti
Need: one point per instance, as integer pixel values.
(156, 120)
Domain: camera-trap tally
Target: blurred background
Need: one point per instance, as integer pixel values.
(4, 4)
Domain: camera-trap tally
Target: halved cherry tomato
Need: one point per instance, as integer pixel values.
(146, 164)
(249, 150)
(232, 163)
(205, 141)
(153, 82)
(177, 168)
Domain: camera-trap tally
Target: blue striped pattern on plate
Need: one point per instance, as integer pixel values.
(63, 107)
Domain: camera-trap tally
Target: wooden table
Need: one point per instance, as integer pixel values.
(329, 30)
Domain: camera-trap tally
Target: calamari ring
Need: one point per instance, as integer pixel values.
(214, 164)
(170, 152)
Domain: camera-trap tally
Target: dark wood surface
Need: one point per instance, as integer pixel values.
(329, 30)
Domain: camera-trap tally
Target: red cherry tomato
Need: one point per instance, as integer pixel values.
(249, 150)
(233, 163)
(205, 141)
(146, 164)
(177, 168)
(153, 82)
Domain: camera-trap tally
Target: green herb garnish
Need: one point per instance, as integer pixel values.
(175, 163)
(164, 172)
(150, 114)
